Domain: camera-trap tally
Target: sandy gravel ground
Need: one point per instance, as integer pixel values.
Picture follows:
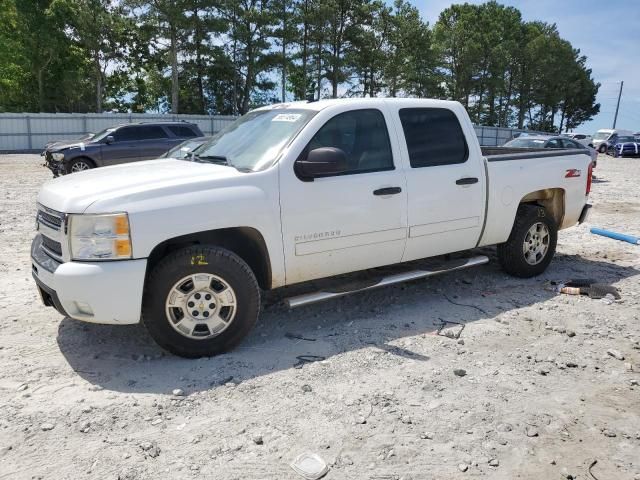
(541, 398)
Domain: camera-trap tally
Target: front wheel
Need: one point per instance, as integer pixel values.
(200, 301)
(79, 165)
(531, 244)
(602, 149)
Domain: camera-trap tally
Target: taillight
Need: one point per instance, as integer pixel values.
(589, 174)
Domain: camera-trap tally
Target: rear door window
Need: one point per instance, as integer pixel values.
(182, 131)
(553, 143)
(570, 144)
(134, 133)
(151, 132)
(434, 137)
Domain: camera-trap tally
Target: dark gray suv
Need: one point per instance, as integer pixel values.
(120, 144)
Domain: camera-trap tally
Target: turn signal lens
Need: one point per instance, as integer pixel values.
(121, 225)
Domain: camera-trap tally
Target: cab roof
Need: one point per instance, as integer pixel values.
(363, 102)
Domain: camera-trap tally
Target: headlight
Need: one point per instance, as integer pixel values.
(58, 157)
(99, 237)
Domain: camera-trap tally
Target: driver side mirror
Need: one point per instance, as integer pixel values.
(321, 162)
(109, 140)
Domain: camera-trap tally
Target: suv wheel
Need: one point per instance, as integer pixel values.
(200, 301)
(78, 165)
(531, 244)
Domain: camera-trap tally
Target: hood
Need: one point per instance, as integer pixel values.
(74, 193)
(64, 145)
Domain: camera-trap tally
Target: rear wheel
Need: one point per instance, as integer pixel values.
(200, 301)
(531, 244)
(79, 165)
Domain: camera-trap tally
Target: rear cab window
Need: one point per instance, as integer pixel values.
(434, 137)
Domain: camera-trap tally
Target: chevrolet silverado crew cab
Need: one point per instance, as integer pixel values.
(291, 193)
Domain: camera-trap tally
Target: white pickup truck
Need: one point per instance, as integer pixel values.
(287, 194)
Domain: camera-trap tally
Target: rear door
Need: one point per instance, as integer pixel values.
(351, 221)
(445, 182)
(180, 133)
(154, 142)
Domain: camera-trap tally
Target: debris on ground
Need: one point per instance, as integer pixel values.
(310, 465)
(616, 236)
(304, 359)
(293, 336)
(615, 354)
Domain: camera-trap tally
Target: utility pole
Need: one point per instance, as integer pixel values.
(615, 119)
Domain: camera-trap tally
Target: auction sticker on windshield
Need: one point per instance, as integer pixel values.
(286, 117)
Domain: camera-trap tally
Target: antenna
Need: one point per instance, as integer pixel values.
(615, 119)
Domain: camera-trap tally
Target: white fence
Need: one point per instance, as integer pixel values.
(31, 131)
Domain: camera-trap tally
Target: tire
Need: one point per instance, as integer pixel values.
(222, 278)
(602, 149)
(79, 165)
(516, 259)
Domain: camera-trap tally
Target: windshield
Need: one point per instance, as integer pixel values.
(625, 139)
(601, 135)
(254, 141)
(184, 149)
(86, 136)
(100, 135)
(526, 143)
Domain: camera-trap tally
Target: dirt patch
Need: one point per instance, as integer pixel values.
(528, 391)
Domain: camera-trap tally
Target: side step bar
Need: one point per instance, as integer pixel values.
(451, 266)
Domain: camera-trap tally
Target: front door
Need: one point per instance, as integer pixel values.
(352, 221)
(445, 181)
(124, 148)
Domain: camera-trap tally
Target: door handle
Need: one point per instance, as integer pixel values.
(387, 191)
(466, 181)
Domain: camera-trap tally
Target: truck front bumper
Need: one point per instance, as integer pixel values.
(96, 292)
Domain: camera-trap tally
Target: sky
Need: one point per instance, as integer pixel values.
(607, 32)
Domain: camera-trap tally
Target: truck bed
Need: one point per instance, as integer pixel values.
(497, 154)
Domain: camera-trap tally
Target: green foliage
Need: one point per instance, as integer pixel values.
(228, 56)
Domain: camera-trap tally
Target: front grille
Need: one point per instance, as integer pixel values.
(50, 225)
(50, 220)
(52, 246)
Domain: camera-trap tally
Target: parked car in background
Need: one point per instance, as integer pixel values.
(624, 146)
(186, 148)
(125, 143)
(607, 136)
(551, 141)
(582, 138)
